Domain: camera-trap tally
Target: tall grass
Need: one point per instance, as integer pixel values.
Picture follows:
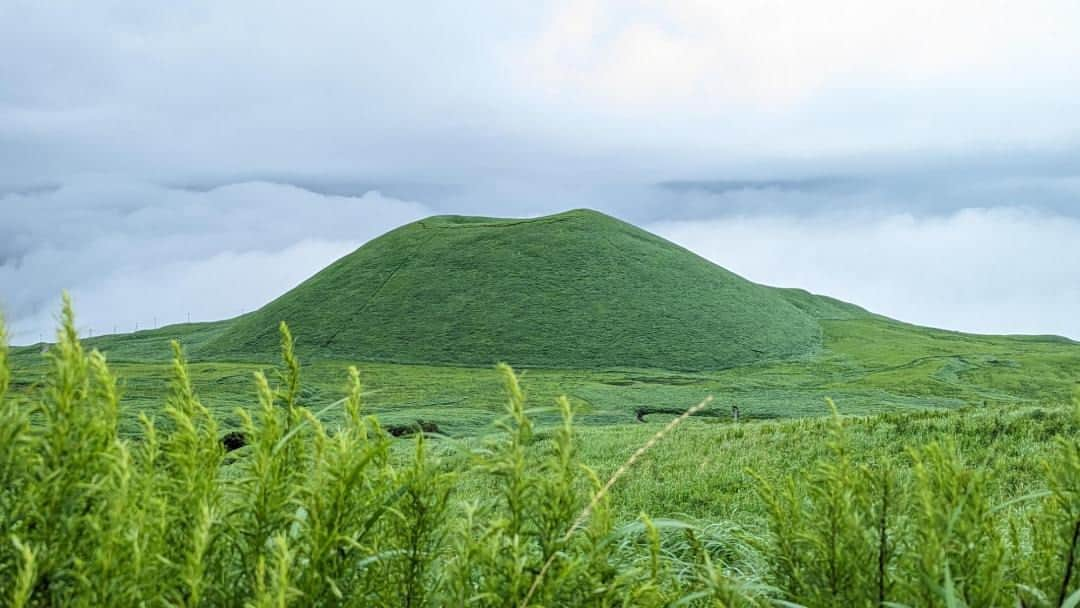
(304, 514)
(313, 514)
(923, 532)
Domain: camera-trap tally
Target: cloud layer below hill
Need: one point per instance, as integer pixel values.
(136, 254)
(918, 157)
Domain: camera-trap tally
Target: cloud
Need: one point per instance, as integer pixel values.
(984, 270)
(975, 253)
(783, 116)
(480, 89)
(783, 79)
(135, 253)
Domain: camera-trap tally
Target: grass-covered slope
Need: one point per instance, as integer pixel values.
(980, 509)
(574, 290)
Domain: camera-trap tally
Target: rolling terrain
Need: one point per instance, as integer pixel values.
(627, 325)
(576, 290)
(950, 479)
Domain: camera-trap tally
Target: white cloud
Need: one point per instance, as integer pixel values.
(1000, 270)
(480, 89)
(521, 108)
(978, 255)
(130, 252)
(696, 54)
(714, 83)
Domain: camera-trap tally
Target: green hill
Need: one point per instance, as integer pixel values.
(574, 290)
(617, 319)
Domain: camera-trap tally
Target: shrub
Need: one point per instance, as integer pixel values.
(307, 514)
(304, 514)
(844, 534)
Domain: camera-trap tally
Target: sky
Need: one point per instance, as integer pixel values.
(173, 161)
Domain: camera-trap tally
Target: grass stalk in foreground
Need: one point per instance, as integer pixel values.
(313, 514)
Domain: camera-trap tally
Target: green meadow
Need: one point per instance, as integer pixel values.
(386, 456)
(111, 497)
(866, 365)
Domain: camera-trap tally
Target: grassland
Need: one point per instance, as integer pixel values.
(626, 325)
(951, 476)
(971, 506)
(577, 290)
(868, 365)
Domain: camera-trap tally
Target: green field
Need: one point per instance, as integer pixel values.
(623, 323)
(504, 275)
(866, 365)
(577, 290)
(967, 506)
(949, 477)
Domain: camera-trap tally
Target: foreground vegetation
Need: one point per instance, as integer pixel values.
(323, 507)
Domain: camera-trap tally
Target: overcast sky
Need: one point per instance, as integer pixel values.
(919, 158)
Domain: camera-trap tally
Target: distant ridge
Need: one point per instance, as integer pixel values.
(578, 289)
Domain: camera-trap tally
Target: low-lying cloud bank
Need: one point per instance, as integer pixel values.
(985, 270)
(136, 254)
(982, 256)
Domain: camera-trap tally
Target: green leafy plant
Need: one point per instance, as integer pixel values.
(326, 508)
(305, 514)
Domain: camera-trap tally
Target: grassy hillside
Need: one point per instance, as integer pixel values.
(869, 365)
(954, 483)
(461, 290)
(575, 290)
